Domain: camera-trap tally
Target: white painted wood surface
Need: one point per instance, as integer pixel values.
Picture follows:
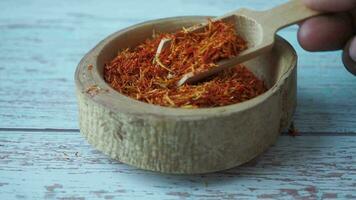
(41, 43)
(62, 165)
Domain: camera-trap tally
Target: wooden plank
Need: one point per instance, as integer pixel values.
(42, 42)
(62, 165)
(326, 91)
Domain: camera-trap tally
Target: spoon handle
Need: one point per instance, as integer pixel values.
(286, 14)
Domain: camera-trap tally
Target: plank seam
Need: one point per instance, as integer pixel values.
(71, 130)
(38, 130)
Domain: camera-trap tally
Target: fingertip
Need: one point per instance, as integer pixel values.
(325, 32)
(308, 37)
(304, 38)
(301, 40)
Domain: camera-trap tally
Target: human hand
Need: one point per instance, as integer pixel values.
(333, 31)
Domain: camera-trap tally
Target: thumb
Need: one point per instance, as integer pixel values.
(349, 56)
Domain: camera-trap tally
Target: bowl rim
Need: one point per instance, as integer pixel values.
(120, 103)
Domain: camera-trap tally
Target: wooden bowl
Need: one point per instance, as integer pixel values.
(182, 141)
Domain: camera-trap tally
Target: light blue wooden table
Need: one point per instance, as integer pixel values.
(43, 156)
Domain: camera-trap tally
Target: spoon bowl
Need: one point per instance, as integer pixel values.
(258, 28)
(247, 28)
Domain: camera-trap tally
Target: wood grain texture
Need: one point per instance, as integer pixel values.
(42, 42)
(63, 166)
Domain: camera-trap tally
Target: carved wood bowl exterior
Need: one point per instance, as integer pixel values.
(183, 141)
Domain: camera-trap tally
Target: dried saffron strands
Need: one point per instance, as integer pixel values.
(137, 74)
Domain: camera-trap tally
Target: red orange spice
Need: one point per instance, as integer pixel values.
(135, 72)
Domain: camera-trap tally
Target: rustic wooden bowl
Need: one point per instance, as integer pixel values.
(182, 141)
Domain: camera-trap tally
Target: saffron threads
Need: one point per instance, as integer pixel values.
(137, 74)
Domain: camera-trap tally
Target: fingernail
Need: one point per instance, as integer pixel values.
(352, 50)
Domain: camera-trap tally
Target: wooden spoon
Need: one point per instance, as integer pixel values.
(258, 28)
